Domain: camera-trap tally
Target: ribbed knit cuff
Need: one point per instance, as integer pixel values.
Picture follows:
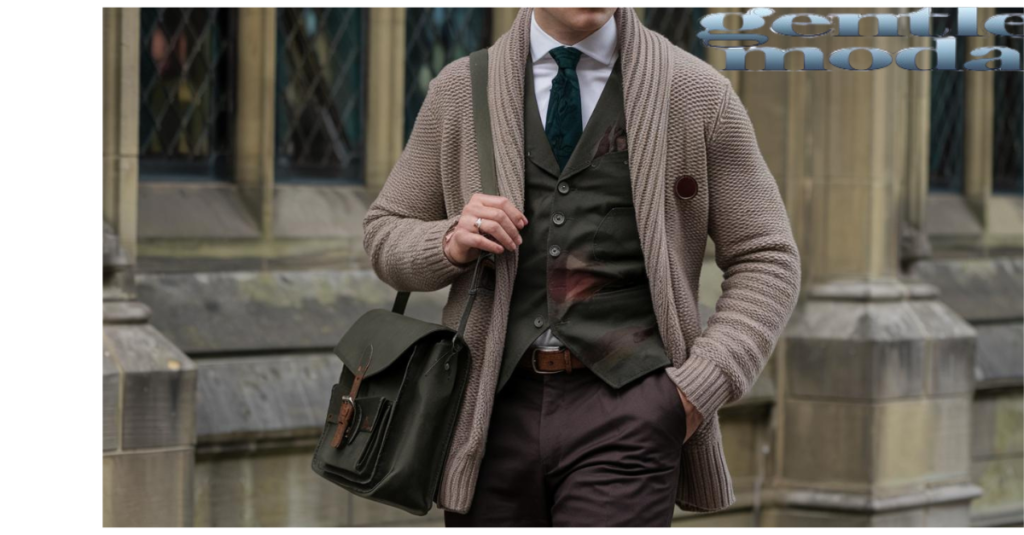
(705, 484)
(429, 261)
(458, 486)
(703, 383)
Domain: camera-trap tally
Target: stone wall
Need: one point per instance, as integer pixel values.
(261, 343)
(989, 293)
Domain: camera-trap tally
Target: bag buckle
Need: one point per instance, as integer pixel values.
(345, 416)
(344, 400)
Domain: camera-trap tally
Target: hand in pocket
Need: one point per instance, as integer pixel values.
(693, 417)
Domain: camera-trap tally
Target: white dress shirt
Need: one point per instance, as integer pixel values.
(599, 52)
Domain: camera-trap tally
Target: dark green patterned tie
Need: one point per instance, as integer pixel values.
(564, 123)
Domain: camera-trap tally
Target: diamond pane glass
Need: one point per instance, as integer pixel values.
(946, 156)
(679, 25)
(1007, 153)
(186, 93)
(321, 102)
(434, 37)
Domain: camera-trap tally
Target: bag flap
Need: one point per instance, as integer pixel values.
(381, 336)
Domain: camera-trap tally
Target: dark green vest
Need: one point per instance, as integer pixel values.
(581, 269)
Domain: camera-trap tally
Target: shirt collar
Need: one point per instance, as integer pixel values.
(601, 45)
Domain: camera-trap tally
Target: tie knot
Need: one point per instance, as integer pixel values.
(566, 57)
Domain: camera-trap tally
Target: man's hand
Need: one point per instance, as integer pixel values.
(693, 418)
(500, 223)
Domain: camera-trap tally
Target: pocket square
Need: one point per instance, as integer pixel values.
(612, 140)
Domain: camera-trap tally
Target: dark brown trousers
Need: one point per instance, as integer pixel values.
(566, 449)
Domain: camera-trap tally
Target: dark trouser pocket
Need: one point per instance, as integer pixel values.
(676, 412)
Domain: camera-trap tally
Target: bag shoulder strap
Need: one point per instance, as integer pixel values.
(482, 121)
(485, 156)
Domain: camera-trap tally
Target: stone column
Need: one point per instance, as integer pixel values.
(385, 113)
(875, 375)
(121, 125)
(149, 385)
(254, 116)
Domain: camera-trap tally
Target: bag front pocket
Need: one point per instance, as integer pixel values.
(361, 444)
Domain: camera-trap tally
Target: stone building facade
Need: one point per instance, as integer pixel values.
(242, 147)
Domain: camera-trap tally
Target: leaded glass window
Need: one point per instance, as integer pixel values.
(679, 24)
(946, 156)
(186, 92)
(434, 38)
(321, 101)
(1007, 151)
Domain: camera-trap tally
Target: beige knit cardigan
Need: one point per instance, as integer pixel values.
(683, 118)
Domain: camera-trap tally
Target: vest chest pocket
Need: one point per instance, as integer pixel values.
(615, 157)
(617, 238)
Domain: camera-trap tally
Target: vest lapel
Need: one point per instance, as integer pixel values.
(607, 111)
(539, 149)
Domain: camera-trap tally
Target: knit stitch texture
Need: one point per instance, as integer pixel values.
(683, 119)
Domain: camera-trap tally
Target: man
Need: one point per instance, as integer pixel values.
(593, 394)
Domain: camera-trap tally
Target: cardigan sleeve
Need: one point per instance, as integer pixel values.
(405, 225)
(755, 249)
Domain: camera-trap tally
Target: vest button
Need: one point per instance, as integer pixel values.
(555, 250)
(563, 188)
(558, 218)
(538, 322)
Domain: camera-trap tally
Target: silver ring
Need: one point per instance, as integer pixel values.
(479, 221)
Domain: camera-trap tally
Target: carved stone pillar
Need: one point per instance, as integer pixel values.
(875, 374)
(149, 385)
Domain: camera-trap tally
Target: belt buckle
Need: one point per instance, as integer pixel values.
(533, 357)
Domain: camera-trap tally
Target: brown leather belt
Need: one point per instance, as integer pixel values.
(550, 360)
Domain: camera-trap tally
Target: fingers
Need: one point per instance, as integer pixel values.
(501, 218)
(467, 239)
(499, 226)
(497, 223)
(498, 232)
(505, 205)
(467, 223)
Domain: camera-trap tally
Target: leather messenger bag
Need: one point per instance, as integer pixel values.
(392, 412)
